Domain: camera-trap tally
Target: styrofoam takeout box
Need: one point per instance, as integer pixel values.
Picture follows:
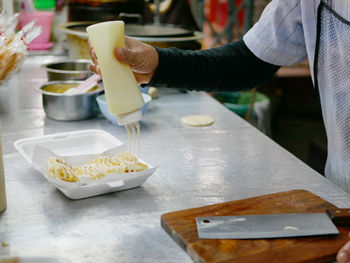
(84, 142)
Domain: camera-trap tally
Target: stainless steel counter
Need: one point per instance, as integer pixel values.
(229, 160)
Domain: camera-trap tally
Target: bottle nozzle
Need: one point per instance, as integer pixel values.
(134, 116)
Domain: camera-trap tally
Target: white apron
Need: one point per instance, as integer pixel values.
(332, 80)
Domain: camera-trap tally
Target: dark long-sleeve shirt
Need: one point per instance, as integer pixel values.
(231, 67)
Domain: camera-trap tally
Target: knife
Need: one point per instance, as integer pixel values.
(273, 225)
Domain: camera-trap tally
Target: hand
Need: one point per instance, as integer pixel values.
(344, 253)
(94, 67)
(142, 58)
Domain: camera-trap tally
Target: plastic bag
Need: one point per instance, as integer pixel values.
(14, 44)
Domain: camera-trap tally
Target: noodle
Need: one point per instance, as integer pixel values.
(95, 169)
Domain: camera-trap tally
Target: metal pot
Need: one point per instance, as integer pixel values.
(68, 70)
(161, 36)
(102, 10)
(62, 107)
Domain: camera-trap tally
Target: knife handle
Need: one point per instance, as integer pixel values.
(339, 216)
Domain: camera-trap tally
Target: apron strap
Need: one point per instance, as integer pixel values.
(328, 2)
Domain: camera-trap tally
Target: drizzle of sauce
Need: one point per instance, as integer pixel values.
(133, 130)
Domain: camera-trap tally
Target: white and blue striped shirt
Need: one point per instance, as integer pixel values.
(286, 31)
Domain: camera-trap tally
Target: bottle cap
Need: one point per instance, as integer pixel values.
(129, 118)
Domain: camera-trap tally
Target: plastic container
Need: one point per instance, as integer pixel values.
(44, 19)
(102, 104)
(77, 144)
(122, 91)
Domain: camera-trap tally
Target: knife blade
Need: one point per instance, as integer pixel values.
(272, 225)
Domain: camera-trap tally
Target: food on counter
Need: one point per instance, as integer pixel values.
(95, 169)
(197, 120)
(153, 92)
(63, 87)
(61, 170)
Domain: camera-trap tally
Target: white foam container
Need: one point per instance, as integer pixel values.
(82, 143)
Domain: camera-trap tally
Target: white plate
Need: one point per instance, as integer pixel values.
(82, 143)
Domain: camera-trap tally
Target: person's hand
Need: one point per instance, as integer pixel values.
(142, 58)
(344, 253)
(94, 67)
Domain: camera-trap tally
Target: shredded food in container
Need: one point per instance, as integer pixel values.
(95, 169)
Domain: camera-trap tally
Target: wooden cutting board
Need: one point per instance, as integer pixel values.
(181, 226)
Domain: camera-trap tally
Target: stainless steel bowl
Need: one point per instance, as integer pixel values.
(68, 70)
(62, 107)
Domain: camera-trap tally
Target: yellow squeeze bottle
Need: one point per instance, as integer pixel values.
(122, 92)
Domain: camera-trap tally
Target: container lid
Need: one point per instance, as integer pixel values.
(69, 143)
(44, 4)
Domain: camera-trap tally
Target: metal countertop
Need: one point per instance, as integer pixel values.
(197, 166)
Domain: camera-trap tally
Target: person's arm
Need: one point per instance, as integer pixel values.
(276, 39)
(231, 67)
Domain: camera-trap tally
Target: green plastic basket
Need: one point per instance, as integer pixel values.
(239, 102)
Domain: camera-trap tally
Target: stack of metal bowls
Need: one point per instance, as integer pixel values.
(68, 70)
(62, 107)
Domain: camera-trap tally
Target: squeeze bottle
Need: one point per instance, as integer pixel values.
(2, 182)
(122, 92)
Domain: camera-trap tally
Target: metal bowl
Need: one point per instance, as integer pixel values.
(68, 70)
(62, 107)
